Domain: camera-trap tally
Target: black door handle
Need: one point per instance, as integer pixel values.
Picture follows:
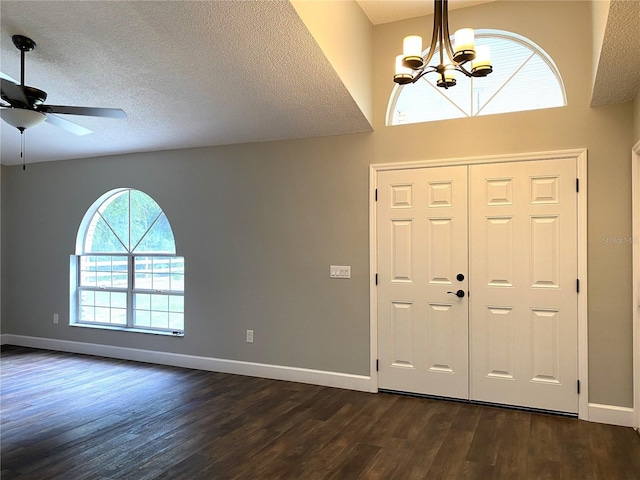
(459, 293)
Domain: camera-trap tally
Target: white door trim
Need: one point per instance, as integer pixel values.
(580, 156)
(635, 235)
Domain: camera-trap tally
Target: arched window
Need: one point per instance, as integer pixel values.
(126, 273)
(524, 78)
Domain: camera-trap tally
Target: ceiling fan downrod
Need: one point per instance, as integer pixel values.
(24, 44)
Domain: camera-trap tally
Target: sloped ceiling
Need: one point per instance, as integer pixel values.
(202, 73)
(187, 73)
(617, 73)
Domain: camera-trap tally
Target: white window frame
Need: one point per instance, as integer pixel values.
(76, 288)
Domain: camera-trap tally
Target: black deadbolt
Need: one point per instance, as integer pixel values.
(460, 277)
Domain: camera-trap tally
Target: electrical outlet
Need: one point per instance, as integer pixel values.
(249, 336)
(55, 318)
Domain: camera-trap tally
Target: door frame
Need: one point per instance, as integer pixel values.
(580, 157)
(635, 235)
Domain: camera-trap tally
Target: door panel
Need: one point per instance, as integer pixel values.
(422, 246)
(513, 340)
(523, 270)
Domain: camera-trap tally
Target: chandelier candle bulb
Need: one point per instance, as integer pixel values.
(481, 65)
(449, 79)
(464, 45)
(403, 74)
(412, 51)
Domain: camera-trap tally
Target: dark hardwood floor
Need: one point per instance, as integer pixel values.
(67, 416)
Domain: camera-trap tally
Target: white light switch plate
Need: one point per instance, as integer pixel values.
(338, 271)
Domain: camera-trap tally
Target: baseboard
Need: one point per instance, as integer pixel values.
(276, 372)
(611, 414)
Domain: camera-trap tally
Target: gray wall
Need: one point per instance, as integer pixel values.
(260, 224)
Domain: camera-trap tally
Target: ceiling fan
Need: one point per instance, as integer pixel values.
(25, 107)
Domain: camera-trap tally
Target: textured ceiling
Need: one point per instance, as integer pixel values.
(187, 74)
(201, 73)
(385, 11)
(618, 74)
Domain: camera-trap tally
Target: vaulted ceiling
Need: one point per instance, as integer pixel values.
(194, 73)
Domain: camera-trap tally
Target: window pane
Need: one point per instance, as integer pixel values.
(523, 94)
(98, 271)
(115, 211)
(160, 302)
(103, 299)
(160, 319)
(176, 321)
(146, 212)
(87, 297)
(144, 264)
(88, 263)
(120, 280)
(143, 301)
(413, 99)
(176, 303)
(159, 273)
(119, 316)
(102, 315)
(119, 300)
(87, 313)
(177, 283)
(144, 281)
(142, 318)
(87, 271)
(144, 271)
(177, 265)
(159, 238)
(100, 238)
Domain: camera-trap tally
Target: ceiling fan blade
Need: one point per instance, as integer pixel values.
(67, 125)
(89, 111)
(9, 77)
(12, 92)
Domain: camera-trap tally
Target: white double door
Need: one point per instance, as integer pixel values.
(477, 269)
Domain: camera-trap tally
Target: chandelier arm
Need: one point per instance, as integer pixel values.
(446, 42)
(459, 67)
(440, 40)
(437, 17)
(423, 72)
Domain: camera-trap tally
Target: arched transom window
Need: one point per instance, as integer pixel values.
(126, 273)
(524, 78)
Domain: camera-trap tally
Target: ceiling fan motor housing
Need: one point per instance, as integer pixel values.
(24, 44)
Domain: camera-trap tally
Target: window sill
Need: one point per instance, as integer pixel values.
(179, 334)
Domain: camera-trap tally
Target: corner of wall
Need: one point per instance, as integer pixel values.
(599, 15)
(636, 118)
(344, 33)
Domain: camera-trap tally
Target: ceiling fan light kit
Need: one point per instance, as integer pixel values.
(22, 118)
(411, 66)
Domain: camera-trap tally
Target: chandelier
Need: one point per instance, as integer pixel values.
(411, 66)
